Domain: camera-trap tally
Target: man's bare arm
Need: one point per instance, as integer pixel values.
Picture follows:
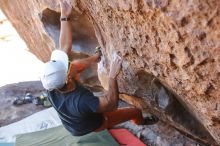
(65, 40)
(109, 103)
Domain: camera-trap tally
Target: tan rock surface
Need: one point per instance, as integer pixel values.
(176, 42)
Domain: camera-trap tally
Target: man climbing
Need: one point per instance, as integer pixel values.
(79, 110)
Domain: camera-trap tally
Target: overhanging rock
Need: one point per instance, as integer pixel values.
(176, 42)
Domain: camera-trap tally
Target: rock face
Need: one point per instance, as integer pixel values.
(170, 51)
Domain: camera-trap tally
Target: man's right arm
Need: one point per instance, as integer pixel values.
(65, 40)
(110, 101)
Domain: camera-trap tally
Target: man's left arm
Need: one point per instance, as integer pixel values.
(78, 66)
(82, 64)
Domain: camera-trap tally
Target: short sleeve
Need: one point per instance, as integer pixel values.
(88, 104)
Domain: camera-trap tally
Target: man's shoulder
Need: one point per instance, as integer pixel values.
(80, 92)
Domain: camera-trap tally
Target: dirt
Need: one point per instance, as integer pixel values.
(10, 113)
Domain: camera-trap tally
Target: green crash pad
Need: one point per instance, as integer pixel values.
(6, 144)
(59, 136)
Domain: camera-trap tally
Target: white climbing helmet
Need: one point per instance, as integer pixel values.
(55, 71)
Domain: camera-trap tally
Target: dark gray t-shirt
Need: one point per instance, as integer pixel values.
(77, 110)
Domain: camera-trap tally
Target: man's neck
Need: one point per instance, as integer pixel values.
(68, 87)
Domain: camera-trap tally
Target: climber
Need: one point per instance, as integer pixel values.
(79, 110)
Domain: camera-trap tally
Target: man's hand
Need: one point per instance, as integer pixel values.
(115, 66)
(66, 8)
